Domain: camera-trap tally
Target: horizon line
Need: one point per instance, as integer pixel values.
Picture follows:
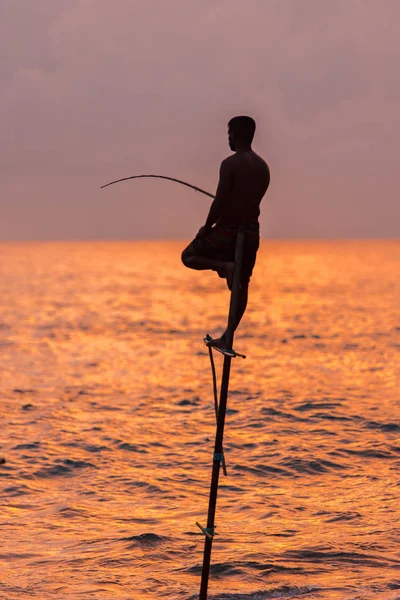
(179, 239)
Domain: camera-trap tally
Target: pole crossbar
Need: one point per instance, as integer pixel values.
(220, 410)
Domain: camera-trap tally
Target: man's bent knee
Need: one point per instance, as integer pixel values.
(186, 256)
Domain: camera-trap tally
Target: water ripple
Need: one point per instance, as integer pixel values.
(108, 424)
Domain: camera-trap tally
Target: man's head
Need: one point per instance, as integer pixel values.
(241, 130)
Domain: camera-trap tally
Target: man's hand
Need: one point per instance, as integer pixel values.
(203, 231)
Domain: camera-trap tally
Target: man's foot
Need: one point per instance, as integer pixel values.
(225, 270)
(218, 342)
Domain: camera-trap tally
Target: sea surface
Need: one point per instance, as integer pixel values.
(108, 424)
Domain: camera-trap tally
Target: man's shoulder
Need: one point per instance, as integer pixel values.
(237, 159)
(229, 160)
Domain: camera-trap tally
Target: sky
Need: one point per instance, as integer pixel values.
(93, 90)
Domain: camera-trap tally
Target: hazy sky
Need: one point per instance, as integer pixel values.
(94, 90)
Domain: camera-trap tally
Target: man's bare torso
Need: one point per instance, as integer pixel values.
(244, 179)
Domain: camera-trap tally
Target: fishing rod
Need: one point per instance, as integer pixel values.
(193, 187)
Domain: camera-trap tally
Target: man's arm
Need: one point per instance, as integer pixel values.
(222, 195)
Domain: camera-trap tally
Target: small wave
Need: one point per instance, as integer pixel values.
(14, 555)
(310, 405)
(186, 402)
(132, 447)
(394, 586)
(262, 470)
(145, 540)
(94, 448)
(331, 417)
(284, 534)
(368, 453)
(344, 517)
(16, 490)
(383, 426)
(67, 467)
(31, 446)
(240, 568)
(151, 488)
(108, 407)
(69, 513)
(272, 412)
(311, 466)
(332, 557)
(285, 591)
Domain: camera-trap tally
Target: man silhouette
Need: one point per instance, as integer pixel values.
(243, 180)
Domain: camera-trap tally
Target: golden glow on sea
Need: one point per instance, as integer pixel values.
(108, 423)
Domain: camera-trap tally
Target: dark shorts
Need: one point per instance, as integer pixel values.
(220, 244)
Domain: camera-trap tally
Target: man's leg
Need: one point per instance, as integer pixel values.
(202, 263)
(250, 249)
(249, 258)
(193, 260)
(241, 308)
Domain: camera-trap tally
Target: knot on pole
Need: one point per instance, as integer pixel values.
(218, 456)
(208, 531)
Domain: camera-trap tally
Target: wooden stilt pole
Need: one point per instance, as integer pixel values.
(221, 418)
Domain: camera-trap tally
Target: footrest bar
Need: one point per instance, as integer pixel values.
(208, 531)
(225, 351)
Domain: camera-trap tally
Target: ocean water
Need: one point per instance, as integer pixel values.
(108, 424)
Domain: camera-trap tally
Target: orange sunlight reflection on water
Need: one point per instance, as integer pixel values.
(109, 423)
